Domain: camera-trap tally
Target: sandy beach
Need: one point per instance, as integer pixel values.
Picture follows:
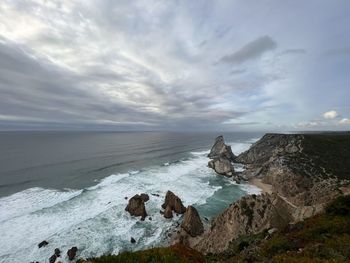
(266, 188)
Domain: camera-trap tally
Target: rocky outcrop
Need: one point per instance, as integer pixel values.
(57, 254)
(43, 244)
(220, 149)
(291, 163)
(249, 215)
(71, 253)
(172, 203)
(192, 223)
(222, 166)
(136, 206)
(222, 158)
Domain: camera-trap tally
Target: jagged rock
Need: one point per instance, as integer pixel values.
(222, 166)
(192, 223)
(53, 258)
(72, 252)
(168, 213)
(174, 203)
(43, 244)
(249, 215)
(220, 149)
(145, 197)
(221, 156)
(136, 206)
(132, 240)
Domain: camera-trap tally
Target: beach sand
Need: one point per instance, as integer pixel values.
(266, 188)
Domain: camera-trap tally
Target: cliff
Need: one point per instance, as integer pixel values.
(306, 172)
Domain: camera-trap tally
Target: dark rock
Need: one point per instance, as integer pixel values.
(57, 252)
(192, 223)
(155, 195)
(52, 259)
(145, 197)
(43, 244)
(132, 240)
(174, 202)
(72, 252)
(126, 198)
(168, 213)
(150, 218)
(136, 206)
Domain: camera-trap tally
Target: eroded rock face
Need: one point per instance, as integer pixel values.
(136, 206)
(222, 156)
(222, 166)
(192, 223)
(220, 149)
(250, 215)
(174, 203)
(168, 213)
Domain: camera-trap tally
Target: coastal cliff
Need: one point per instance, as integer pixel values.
(303, 216)
(303, 175)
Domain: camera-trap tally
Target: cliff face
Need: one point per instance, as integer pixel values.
(249, 215)
(304, 179)
(297, 166)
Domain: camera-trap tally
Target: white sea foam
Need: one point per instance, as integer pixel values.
(94, 219)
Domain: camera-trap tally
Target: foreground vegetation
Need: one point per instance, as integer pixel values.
(324, 238)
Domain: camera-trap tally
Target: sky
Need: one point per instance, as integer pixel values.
(175, 65)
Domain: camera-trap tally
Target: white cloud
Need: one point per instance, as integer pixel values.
(330, 114)
(344, 121)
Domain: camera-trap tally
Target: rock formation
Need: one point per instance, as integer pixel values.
(249, 215)
(220, 149)
(192, 223)
(43, 244)
(304, 175)
(172, 203)
(222, 158)
(136, 206)
(72, 252)
(53, 258)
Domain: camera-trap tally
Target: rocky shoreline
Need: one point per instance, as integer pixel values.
(294, 188)
(293, 172)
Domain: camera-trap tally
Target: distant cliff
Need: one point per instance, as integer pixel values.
(306, 173)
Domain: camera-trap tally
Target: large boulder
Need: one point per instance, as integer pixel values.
(192, 223)
(174, 202)
(220, 149)
(136, 206)
(72, 252)
(222, 166)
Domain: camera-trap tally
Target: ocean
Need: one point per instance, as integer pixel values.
(69, 188)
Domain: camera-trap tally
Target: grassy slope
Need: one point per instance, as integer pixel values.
(331, 151)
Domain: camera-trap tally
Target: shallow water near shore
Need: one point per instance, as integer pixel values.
(92, 217)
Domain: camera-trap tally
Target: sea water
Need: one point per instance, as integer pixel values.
(70, 189)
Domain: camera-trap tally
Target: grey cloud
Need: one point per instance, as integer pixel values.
(343, 51)
(295, 51)
(251, 50)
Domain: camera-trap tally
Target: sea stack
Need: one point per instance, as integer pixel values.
(136, 206)
(172, 203)
(222, 158)
(192, 223)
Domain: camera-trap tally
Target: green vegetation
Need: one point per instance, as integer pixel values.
(330, 151)
(324, 238)
(172, 254)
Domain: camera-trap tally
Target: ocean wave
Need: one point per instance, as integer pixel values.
(94, 220)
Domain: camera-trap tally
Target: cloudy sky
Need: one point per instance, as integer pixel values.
(175, 65)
